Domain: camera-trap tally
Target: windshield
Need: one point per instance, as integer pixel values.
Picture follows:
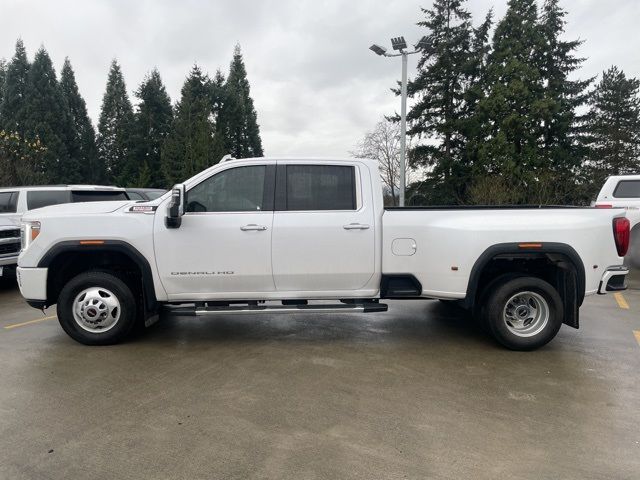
(155, 194)
(97, 196)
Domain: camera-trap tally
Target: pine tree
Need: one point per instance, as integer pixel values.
(614, 127)
(190, 146)
(447, 92)
(83, 163)
(12, 109)
(115, 129)
(3, 74)
(561, 142)
(240, 120)
(46, 117)
(513, 106)
(471, 120)
(153, 123)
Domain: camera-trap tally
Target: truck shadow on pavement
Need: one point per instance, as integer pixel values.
(427, 322)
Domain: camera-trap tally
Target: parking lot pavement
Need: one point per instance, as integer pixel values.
(416, 392)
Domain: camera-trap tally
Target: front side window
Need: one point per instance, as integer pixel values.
(44, 198)
(8, 202)
(627, 189)
(239, 189)
(320, 187)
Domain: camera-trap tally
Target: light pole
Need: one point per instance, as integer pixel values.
(399, 44)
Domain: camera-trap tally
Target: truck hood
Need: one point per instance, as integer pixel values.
(8, 222)
(85, 208)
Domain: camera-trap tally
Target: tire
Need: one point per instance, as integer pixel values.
(523, 313)
(97, 308)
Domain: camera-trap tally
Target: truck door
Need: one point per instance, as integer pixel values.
(223, 246)
(323, 227)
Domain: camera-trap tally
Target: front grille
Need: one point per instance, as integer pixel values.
(6, 248)
(12, 233)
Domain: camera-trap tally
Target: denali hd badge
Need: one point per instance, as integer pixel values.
(225, 272)
(143, 208)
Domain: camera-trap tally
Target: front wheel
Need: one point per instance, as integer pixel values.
(97, 308)
(523, 313)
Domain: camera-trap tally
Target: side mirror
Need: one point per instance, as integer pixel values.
(175, 210)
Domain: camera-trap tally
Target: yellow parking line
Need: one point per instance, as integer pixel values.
(637, 335)
(622, 302)
(37, 320)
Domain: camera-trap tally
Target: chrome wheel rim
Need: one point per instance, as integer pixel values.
(96, 310)
(526, 314)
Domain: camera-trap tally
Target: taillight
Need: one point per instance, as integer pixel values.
(603, 205)
(621, 227)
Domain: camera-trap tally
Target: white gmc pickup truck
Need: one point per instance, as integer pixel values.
(277, 235)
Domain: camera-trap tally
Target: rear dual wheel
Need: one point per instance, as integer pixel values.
(522, 313)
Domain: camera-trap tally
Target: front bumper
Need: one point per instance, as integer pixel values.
(613, 280)
(33, 284)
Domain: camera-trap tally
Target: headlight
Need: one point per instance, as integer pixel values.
(29, 231)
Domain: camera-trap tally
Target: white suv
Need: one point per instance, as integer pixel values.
(15, 201)
(623, 191)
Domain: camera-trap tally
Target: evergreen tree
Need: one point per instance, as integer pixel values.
(83, 164)
(218, 98)
(514, 105)
(614, 127)
(239, 117)
(46, 118)
(12, 108)
(561, 142)
(116, 129)
(190, 146)
(153, 123)
(471, 121)
(447, 89)
(20, 160)
(3, 74)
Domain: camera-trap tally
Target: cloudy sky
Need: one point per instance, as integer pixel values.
(316, 86)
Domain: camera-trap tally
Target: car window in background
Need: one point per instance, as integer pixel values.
(154, 195)
(627, 189)
(44, 198)
(320, 187)
(8, 202)
(134, 196)
(97, 196)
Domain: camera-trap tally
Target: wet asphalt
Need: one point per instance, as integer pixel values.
(416, 392)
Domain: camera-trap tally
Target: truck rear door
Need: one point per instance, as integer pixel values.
(323, 227)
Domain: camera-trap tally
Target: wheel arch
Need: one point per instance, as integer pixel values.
(98, 255)
(569, 279)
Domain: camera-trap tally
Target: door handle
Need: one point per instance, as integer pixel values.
(356, 226)
(253, 226)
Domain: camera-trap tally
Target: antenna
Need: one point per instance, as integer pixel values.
(226, 158)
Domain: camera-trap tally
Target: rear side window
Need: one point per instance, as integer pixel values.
(627, 189)
(8, 202)
(320, 187)
(44, 198)
(97, 196)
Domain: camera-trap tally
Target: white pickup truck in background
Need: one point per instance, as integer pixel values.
(9, 247)
(276, 235)
(623, 191)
